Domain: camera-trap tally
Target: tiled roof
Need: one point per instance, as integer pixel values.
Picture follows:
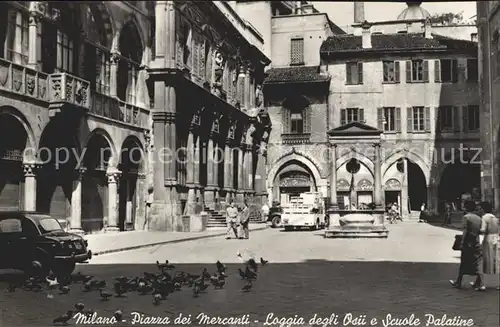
(295, 75)
(353, 43)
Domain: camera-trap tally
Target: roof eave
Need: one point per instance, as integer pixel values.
(298, 82)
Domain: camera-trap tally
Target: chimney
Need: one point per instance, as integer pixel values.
(359, 12)
(427, 29)
(366, 35)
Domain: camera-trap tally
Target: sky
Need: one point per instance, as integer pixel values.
(342, 13)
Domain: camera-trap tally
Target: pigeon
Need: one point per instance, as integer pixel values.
(242, 273)
(87, 286)
(161, 266)
(64, 289)
(120, 289)
(263, 262)
(118, 315)
(252, 264)
(157, 297)
(11, 288)
(79, 307)
(205, 273)
(250, 274)
(220, 267)
(53, 283)
(196, 290)
(105, 295)
(64, 318)
(247, 287)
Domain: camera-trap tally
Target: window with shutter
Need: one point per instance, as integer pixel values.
(445, 118)
(380, 118)
(408, 71)
(361, 115)
(397, 120)
(397, 73)
(409, 119)
(437, 71)
(201, 57)
(389, 119)
(285, 117)
(360, 72)
(465, 119)
(297, 51)
(427, 119)
(456, 119)
(472, 118)
(297, 121)
(472, 70)
(208, 62)
(454, 71)
(425, 71)
(343, 118)
(307, 120)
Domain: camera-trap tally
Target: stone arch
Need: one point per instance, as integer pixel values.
(271, 176)
(441, 166)
(101, 10)
(30, 153)
(136, 141)
(367, 162)
(102, 132)
(134, 22)
(400, 154)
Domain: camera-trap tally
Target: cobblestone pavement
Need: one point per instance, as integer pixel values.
(307, 274)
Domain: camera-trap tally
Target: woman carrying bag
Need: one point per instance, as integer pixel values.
(490, 246)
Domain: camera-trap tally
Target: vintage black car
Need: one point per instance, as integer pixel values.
(26, 237)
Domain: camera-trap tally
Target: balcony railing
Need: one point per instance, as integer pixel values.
(66, 88)
(295, 138)
(113, 108)
(23, 80)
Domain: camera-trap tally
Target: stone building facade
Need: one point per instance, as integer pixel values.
(488, 17)
(403, 105)
(90, 92)
(207, 72)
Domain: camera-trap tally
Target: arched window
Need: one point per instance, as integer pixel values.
(14, 34)
(131, 55)
(96, 61)
(58, 39)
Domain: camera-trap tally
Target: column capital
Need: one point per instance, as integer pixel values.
(80, 172)
(114, 57)
(113, 175)
(376, 145)
(35, 18)
(30, 168)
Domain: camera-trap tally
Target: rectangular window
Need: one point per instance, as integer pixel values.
(65, 53)
(351, 115)
(472, 118)
(354, 73)
(417, 70)
(418, 119)
(297, 51)
(391, 71)
(389, 119)
(472, 70)
(446, 70)
(445, 118)
(297, 123)
(16, 46)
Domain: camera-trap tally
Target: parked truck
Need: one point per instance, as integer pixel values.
(304, 211)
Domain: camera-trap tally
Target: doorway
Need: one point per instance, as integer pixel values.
(393, 197)
(417, 187)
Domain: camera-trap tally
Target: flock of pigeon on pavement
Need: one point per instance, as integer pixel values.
(159, 285)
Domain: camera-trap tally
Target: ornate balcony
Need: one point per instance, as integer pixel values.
(293, 139)
(115, 109)
(66, 89)
(23, 80)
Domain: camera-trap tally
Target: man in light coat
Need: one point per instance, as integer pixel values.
(245, 220)
(232, 220)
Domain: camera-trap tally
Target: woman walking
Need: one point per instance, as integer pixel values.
(470, 258)
(490, 246)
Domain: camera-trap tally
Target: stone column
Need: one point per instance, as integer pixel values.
(250, 180)
(404, 190)
(113, 74)
(240, 87)
(260, 176)
(210, 188)
(76, 203)
(32, 37)
(113, 179)
(30, 186)
(377, 191)
(191, 198)
(247, 87)
(217, 159)
(241, 181)
(228, 170)
(333, 177)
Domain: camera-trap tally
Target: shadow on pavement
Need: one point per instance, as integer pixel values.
(374, 289)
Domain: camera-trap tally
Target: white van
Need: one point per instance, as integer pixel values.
(305, 211)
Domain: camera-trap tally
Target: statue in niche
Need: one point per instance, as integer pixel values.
(259, 96)
(249, 134)
(219, 72)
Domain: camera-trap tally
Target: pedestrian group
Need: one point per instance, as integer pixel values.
(478, 257)
(237, 220)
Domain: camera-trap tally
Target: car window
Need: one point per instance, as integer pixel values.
(48, 225)
(29, 228)
(10, 225)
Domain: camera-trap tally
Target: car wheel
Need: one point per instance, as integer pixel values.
(275, 222)
(64, 268)
(40, 265)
